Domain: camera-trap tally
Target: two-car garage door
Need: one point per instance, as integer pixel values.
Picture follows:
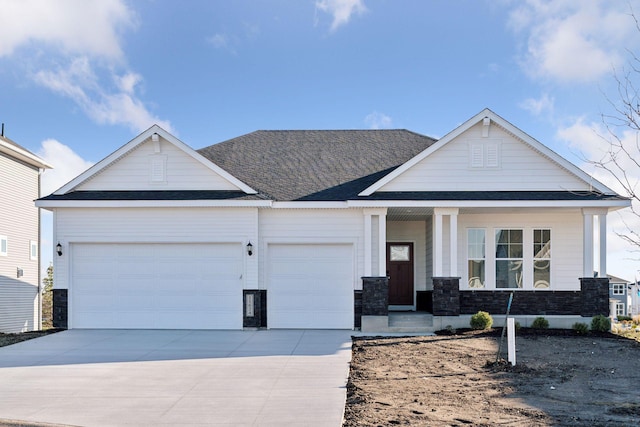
(200, 286)
(157, 286)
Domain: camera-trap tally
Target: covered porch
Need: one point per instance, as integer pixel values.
(418, 259)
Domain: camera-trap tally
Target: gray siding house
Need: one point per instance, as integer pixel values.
(20, 172)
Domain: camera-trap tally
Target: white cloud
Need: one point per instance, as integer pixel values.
(378, 120)
(120, 105)
(73, 26)
(341, 10)
(544, 104)
(85, 37)
(66, 165)
(570, 40)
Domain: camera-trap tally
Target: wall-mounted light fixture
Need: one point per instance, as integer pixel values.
(249, 249)
(20, 272)
(59, 249)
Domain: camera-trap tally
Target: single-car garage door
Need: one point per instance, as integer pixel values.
(156, 286)
(310, 286)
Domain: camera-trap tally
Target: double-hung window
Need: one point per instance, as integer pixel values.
(509, 258)
(541, 259)
(617, 288)
(476, 257)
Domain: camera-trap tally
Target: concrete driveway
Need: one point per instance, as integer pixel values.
(150, 377)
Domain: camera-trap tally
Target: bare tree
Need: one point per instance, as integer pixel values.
(621, 153)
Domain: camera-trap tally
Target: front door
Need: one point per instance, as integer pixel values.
(400, 272)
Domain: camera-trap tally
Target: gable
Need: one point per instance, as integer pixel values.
(155, 161)
(487, 154)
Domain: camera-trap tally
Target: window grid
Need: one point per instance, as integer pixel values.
(509, 258)
(618, 289)
(541, 258)
(476, 257)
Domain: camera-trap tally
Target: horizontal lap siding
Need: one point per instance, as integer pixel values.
(312, 226)
(566, 241)
(148, 225)
(19, 222)
(521, 168)
(133, 172)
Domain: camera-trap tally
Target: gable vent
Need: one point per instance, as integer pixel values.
(158, 169)
(477, 155)
(492, 156)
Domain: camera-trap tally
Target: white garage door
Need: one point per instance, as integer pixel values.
(310, 286)
(156, 286)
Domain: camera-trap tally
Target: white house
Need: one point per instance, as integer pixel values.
(329, 229)
(20, 172)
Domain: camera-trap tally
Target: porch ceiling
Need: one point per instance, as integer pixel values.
(422, 213)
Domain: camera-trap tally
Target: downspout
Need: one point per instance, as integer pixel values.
(40, 172)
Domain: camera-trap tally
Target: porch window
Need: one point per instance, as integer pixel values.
(509, 258)
(541, 259)
(476, 257)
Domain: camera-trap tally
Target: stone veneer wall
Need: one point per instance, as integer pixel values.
(357, 309)
(591, 300)
(60, 308)
(595, 296)
(375, 296)
(446, 296)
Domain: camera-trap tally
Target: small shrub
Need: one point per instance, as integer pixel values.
(624, 318)
(600, 323)
(517, 325)
(540, 323)
(581, 328)
(481, 320)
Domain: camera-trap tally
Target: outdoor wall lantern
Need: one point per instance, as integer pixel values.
(249, 249)
(59, 249)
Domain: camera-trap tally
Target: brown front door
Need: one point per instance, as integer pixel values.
(400, 272)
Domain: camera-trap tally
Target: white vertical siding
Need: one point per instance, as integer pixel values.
(19, 222)
(134, 172)
(566, 241)
(450, 168)
(412, 231)
(159, 225)
(312, 226)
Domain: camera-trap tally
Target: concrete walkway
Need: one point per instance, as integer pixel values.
(147, 377)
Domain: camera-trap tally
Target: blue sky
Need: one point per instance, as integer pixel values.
(79, 79)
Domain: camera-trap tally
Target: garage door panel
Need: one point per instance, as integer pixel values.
(311, 286)
(157, 286)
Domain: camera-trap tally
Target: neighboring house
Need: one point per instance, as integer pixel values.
(329, 229)
(619, 296)
(19, 237)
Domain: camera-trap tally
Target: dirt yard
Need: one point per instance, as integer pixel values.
(454, 381)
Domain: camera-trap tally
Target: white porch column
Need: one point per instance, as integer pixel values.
(602, 237)
(438, 240)
(367, 244)
(453, 244)
(437, 244)
(382, 246)
(587, 244)
(381, 213)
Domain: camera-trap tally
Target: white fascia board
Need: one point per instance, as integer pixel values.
(538, 146)
(139, 140)
(52, 204)
(610, 204)
(23, 155)
(310, 205)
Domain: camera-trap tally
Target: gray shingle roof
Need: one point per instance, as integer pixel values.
(315, 165)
